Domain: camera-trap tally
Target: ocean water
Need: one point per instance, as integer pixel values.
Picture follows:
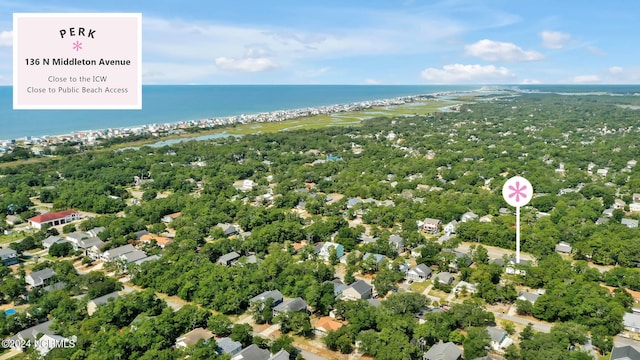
(174, 103)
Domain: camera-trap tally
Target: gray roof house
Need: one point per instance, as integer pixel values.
(39, 278)
(446, 351)
(625, 353)
(92, 305)
(8, 256)
(46, 243)
(31, 334)
(358, 290)
(228, 259)
(280, 355)
(378, 258)
(419, 273)
(276, 295)
(530, 297)
(563, 248)
(132, 257)
(445, 278)
(397, 242)
(252, 352)
(499, 338)
(631, 223)
(228, 229)
(297, 304)
(631, 322)
(113, 254)
(228, 346)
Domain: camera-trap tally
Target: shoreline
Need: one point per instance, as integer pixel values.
(177, 128)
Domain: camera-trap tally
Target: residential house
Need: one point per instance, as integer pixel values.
(114, 254)
(244, 185)
(252, 352)
(76, 236)
(132, 257)
(228, 346)
(443, 351)
(431, 226)
(630, 223)
(563, 248)
(397, 242)
(624, 353)
(417, 251)
(167, 219)
(351, 202)
(276, 295)
(517, 269)
(365, 239)
(148, 258)
(46, 243)
(468, 287)
(450, 228)
(486, 219)
(469, 215)
(607, 212)
(160, 241)
(527, 296)
(419, 273)
(8, 256)
(280, 355)
(358, 290)
(40, 278)
(631, 322)
(95, 231)
(445, 278)
(377, 258)
(324, 251)
(228, 229)
(326, 324)
(499, 338)
(53, 218)
(291, 305)
(228, 259)
(634, 207)
(31, 334)
(338, 286)
(619, 204)
(602, 220)
(92, 247)
(48, 342)
(92, 305)
(192, 337)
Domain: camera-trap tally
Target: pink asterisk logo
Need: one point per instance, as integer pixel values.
(518, 191)
(77, 46)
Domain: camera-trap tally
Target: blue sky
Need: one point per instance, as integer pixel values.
(371, 42)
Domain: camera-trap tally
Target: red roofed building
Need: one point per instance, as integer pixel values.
(54, 218)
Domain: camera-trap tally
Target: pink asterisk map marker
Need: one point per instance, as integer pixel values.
(518, 191)
(77, 46)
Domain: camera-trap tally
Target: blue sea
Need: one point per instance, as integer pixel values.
(174, 103)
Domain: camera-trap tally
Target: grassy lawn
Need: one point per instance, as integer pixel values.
(419, 287)
(7, 239)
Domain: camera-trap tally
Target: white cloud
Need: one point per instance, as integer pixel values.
(554, 39)
(530, 82)
(372, 82)
(586, 79)
(6, 38)
(615, 70)
(459, 73)
(490, 50)
(246, 64)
